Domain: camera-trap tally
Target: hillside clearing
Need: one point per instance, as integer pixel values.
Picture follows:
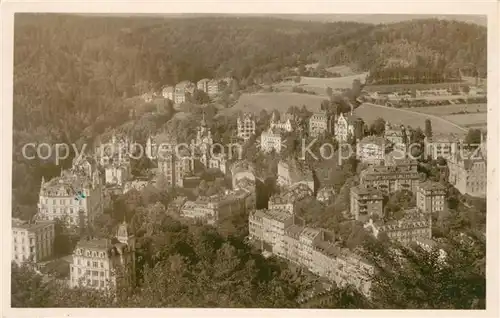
(369, 113)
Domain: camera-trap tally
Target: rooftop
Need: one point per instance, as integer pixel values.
(432, 186)
(30, 226)
(362, 190)
(376, 140)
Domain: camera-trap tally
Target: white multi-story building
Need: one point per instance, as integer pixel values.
(182, 90)
(74, 198)
(285, 123)
(32, 241)
(97, 262)
(246, 126)
(117, 175)
(431, 197)
(320, 123)
(371, 150)
(168, 92)
(312, 248)
(344, 127)
(269, 140)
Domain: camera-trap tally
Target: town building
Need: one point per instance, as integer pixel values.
(98, 263)
(202, 85)
(117, 175)
(396, 135)
(74, 198)
(182, 91)
(246, 126)
(292, 172)
(217, 208)
(442, 145)
(366, 203)
(413, 225)
(175, 165)
(278, 233)
(326, 195)
(213, 87)
(271, 139)
(320, 123)
(135, 184)
(116, 151)
(242, 170)
(431, 197)
(168, 92)
(344, 127)
(468, 175)
(391, 178)
(371, 150)
(288, 199)
(32, 241)
(285, 123)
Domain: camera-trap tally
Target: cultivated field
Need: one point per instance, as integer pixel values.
(450, 109)
(270, 101)
(370, 112)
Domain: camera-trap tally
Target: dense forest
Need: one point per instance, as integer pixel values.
(72, 74)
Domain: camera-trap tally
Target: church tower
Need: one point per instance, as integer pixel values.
(124, 235)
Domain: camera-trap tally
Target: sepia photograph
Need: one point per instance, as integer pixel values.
(247, 160)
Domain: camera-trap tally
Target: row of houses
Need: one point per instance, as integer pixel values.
(280, 233)
(179, 93)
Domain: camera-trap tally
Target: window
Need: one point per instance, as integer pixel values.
(88, 263)
(79, 271)
(95, 264)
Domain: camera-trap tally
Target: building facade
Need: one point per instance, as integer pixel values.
(366, 202)
(311, 248)
(389, 179)
(246, 126)
(288, 199)
(74, 198)
(286, 123)
(320, 123)
(32, 241)
(371, 150)
(344, 127)
(182, 90)
(271, 139)
(412, 226)
(431, 197)
(168, 92)
(97, 263)
(469, 176)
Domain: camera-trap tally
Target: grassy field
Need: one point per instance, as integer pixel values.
(319, 85)
(370, 113)
(474, 120)
(450, 109)
(270, 101)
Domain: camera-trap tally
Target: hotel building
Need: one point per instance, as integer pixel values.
(469, 176)
(321, 122)
(391, 178)
(32, 241)
(431, 197)
(271, 139)
(311, 248)
(412, 226)
(366, 202)
(246, 126)
(371, 150)
(97, 263)
(344, 127)
(288, 199)
(60, 198)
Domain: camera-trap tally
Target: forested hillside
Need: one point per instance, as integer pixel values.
(72, 73)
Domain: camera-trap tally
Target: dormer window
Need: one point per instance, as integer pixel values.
(87, 254)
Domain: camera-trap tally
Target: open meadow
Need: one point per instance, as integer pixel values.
(369, 113)
(475, 116)
(319, 85)
(269, 101)
(450, 109)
